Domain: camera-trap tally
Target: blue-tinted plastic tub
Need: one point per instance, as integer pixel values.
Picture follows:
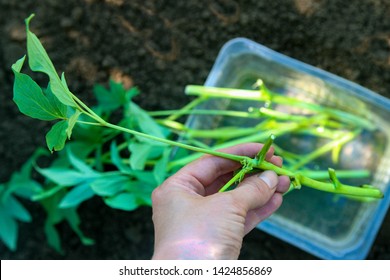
(325, 225)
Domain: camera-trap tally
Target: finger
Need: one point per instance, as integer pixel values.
(277, 160)
(218, 183)
(254, 217)
(208, 168)
(283, 184)
(255, 191)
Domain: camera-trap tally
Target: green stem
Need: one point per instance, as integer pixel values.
(233, 180)
(318, 185)
(174, 143)
(187, 107)
(324, 149)
(225, 113)
(258, 138)
(257, 95)
(249, 163)
(348, 174)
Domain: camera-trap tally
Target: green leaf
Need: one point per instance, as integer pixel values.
(21, 183)
(109, 185)
(52, 236)
(57, 136)
(160, 169)
(71, 122)
(47, 193)
(66, 177)
(8, 229)
(141, 190)
(139, 155)
(55, 103)
(54, 216)
(92, 135)
(31, 100)
(130, 93)
(39, 61)
(79, 164)
(17, 66)
(15, 209)
(144, 176)
(146, 123)
(76, 195)
(109, 100)
(122, 201)
(74, 221)
(117, 160)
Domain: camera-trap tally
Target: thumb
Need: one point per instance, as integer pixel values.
(257, 190)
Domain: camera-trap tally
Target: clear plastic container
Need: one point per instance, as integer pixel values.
(326, 225)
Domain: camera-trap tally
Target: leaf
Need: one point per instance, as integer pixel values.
(21, 183)
(8, 229)
(47, 193)
(139, 155)
(74, 221)
(146, 123)
(54, 216)
(66, 177)
(122, 201)
(144, 176)
(141, 190)
(57, 105)
(17, 66)
(57, 136)
(160, 169)
(109, 185)
(76, 195)
(31, 100)
(39, 60)
(79, 164)
(71, 122)
(109, 100)
(52, 236)
(15, 209)
(117, 160)
(130, 93)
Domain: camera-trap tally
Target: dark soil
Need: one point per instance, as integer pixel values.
(161, 46)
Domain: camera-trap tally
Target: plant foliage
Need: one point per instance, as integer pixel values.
(122, 163)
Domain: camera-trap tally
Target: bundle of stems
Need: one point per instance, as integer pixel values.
(123, 161)
(338, 127)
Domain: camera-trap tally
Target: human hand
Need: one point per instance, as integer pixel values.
(193, 221)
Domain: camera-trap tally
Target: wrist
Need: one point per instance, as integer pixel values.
(192, 249)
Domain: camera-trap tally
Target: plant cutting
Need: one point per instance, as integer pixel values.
(140, 145)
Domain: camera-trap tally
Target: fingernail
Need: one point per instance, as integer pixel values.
(270, 178)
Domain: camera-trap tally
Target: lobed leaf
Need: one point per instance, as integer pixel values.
(110, 100)
(30, 98)
(40, 61)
